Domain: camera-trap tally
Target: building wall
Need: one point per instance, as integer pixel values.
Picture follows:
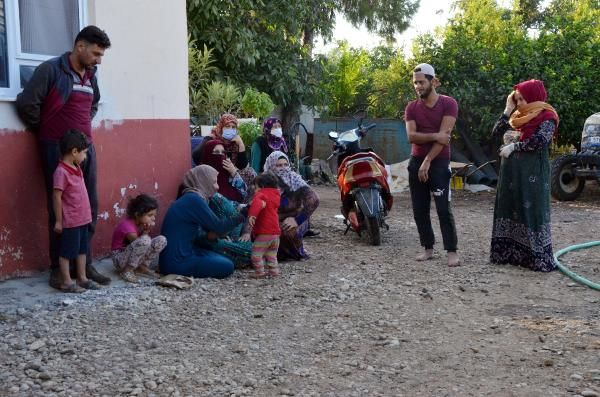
(141, 131)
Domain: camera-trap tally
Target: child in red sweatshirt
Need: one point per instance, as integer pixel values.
(264, 222)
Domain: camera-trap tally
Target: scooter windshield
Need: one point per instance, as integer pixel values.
(349, 136)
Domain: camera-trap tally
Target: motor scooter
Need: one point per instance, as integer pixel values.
(362, 179)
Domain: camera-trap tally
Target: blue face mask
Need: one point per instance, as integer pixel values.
(229, 133)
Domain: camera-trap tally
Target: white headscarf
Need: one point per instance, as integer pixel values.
(292, 179)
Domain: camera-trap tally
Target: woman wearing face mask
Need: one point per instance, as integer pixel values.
(227, 133)
(298, 202)
(271, 140)
(521, 230)
(187, 218)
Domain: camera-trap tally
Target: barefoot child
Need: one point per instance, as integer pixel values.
(264, 221)
(132, 249)
(73, 212)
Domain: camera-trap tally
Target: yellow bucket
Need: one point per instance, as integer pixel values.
(457, 182)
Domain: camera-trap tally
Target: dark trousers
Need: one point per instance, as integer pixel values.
(50, 157)
(420, 194)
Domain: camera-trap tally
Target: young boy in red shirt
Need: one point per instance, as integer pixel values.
(72, 210)
(264, 222)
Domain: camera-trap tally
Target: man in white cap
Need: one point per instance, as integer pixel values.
(429, 122)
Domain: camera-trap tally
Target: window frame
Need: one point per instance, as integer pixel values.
(15, 56)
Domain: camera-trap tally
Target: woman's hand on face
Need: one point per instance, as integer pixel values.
(238, 139)
(510, 104)
(289, 223)
(245, 237)
(229, 167)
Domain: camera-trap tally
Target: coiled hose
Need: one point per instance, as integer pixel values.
(571, 274)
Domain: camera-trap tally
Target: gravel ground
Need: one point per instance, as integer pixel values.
(353, 320)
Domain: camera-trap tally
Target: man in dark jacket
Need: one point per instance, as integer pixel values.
(61, 95)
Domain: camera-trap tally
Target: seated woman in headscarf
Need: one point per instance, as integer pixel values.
(271, 140)
(226, 131)
(231, 184)
(298, 202)
(186, 220)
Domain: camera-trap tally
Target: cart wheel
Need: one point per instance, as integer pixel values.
(565, 185)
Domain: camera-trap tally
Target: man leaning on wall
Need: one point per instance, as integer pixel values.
(63, 94)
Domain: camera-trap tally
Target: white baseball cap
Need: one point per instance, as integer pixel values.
(424, 68)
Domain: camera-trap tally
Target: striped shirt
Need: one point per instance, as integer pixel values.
(76, 112)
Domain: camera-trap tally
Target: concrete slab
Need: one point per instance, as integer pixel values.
(29, 292)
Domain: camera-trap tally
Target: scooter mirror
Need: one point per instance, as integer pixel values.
(361, 114)
(333, 135)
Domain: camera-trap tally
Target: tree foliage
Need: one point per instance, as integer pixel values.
(485, 50)
(345, 81)
(257, 104)
(267, 44)
(479, 56)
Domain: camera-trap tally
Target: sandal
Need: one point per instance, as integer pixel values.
(129, 277)
(311, 233)
(146, 272)
(72, 288)
(90, 285)
(175, 281)
(259, 274)
(274, 271)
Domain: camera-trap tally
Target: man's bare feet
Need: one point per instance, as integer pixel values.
(453, 259)
(428, 254)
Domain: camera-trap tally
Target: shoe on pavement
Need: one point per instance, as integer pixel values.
(55, 278)
(92, 274)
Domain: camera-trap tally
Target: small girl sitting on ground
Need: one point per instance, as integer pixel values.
(264, 221)
(132, 248)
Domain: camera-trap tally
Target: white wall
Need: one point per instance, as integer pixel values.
(144, 73)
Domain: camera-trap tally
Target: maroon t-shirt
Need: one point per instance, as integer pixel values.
(429, 120)
(76, 112)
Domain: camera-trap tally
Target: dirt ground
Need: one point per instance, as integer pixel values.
(354, 320)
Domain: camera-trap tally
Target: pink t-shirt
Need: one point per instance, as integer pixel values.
(429, 120)
(76, 209)
(125, 227)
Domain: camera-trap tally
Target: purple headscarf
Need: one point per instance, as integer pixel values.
(274, 142)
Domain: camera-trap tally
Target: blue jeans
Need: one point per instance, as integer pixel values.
(50, 157)
(203, 264)
(420, 194)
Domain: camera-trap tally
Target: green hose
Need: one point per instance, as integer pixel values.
(568, 272)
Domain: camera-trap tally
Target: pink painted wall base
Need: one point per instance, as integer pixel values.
(134, 156)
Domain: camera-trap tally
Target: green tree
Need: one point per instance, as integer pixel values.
(268, 44)
(345, 82)
(257, 104)
(569, 44)
(392, 89)
(486, 49)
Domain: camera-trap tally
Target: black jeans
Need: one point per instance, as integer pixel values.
(50, 157)
(420, 194)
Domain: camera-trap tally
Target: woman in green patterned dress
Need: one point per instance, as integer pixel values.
(521, 231)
